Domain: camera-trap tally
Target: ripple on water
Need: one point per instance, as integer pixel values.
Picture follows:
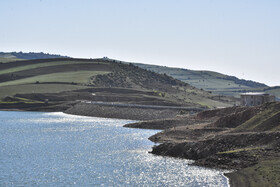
(56, 149)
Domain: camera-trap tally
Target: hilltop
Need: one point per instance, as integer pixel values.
(13, 56)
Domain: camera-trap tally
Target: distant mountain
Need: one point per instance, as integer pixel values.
(29, 56)
(274, 91)
(208, 80)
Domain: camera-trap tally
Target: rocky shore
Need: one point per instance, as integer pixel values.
(243, 139)
(87, 109)
(132, 113)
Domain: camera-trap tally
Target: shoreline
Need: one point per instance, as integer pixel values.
(200, 152)
(74, 111)
(218, 174)
(250, 155)
(224, 173)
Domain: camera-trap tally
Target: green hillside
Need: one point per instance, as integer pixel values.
(75, 77)
(27, 56)
(7, 57)
(208, 80)
(266, 120)
(44, 76)
(274, 91)
(56, 74)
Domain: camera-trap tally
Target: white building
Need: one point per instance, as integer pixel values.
(254, 98)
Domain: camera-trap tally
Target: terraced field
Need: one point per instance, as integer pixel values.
(80, 77)
(48, 76)
(211, 81)
(67, 75)
(11, 90)
(208, 80)
(23, 66)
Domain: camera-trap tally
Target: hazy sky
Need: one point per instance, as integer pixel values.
(235, 37)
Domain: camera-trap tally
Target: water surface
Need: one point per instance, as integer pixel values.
(56, 149)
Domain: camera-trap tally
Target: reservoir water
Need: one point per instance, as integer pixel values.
(56, 149)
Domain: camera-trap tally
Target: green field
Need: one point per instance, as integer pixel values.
(74, 80)
(37, 88)
(39, 65)
(6, 60)
(99, 73)
(211, 81)
(80, 77)
(208, 80)
(265, 173)
(49, 82)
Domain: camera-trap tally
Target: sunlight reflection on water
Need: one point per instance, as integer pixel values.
(56, 149)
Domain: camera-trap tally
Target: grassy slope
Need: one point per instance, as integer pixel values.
(6, 60)
(20, 100)
(37, 88)
(8, 57)
(80, 77)
(267, 120)
(274, 91)
(27, 85)
(242, 138)
(67, 72)
(31, 55)
(265, 173)
(132, 76)
(39, 65)
(207, 80)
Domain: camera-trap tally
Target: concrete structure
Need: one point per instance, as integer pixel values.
(254, 99)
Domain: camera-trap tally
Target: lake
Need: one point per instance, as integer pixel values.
(57, 149)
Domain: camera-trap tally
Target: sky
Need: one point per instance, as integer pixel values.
(234, 37)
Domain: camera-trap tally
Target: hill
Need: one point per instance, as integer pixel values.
(68, 79)
(211, 81)
(208, 80)
(266, 120)
(274, 91)
(12, 56)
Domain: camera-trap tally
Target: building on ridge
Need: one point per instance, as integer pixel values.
(256, 98)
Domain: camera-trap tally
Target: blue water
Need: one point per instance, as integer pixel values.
(56, 149)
